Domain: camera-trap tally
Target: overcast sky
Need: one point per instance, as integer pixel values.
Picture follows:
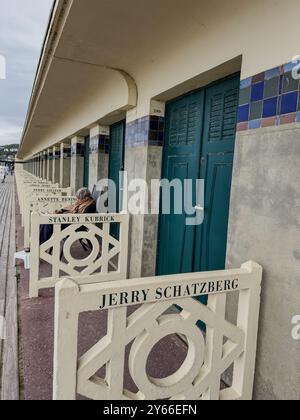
(23, 24)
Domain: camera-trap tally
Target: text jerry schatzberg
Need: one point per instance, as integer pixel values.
(168, 292)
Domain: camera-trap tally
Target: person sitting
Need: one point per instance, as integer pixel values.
(84, 204)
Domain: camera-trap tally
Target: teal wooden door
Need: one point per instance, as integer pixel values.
(217, 155)
(116, 157)
(184, 119)
(204, 150)
(86, 167)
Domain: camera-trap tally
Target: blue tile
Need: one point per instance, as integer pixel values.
(271, 87)
(153, 125)
(244, 97)
(298, 108)
(246, 82)
(289, 103)
(243, 113)
(161, 136)
(272, 73)
(270, 107)
(289, 84)
(256, 110)
(254, 124)
(257, 92)
(288, 67)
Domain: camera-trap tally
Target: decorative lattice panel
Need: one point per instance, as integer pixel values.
(213, 344)
(100, 253)
(43, 205)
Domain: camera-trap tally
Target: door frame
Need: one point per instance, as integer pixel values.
(203, 88)
(123, 121)
(86, 162)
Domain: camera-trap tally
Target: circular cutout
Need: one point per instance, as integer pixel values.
(182, 379)
(166, 357)
(72, 240)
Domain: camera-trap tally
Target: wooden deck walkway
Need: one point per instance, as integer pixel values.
(9, 376)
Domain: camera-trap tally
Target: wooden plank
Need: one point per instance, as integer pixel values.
(10, 363)
(3, 252)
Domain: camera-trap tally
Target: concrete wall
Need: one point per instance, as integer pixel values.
(77, 163)
(265, 227)
(136, 166)
(154, 168)
(99, 154)
(65, 165)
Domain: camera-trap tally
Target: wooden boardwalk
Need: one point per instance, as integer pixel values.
(9, 377)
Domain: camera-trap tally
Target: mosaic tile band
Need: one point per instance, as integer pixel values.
(67, 153)
(77, 149)
(270, 98)
(146, 131)
(99, 144)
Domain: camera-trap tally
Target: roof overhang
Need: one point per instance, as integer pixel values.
(97, 54)
(72, 93)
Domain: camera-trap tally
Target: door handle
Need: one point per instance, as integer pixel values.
(199, 218)
(199, 208)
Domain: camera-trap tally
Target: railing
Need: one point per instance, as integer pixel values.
(209, 354)
(107, 253)
(33, 190)
(43, 205)
(29, 186)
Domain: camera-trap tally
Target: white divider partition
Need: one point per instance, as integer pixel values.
(106, 260)
(43, 205)
(34, 194)
(35, 190)
(22, 178)
(25, 191)
(209, 354)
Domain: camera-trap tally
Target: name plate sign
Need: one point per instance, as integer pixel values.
(55, 199)
(168, 292)
(35, 184)
(79, 218)
(48, 190)
(130, 292)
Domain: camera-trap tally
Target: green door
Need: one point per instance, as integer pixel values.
(204, 147)
(184, 119)
(86, 166)
(116, 156)
(216, 169)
